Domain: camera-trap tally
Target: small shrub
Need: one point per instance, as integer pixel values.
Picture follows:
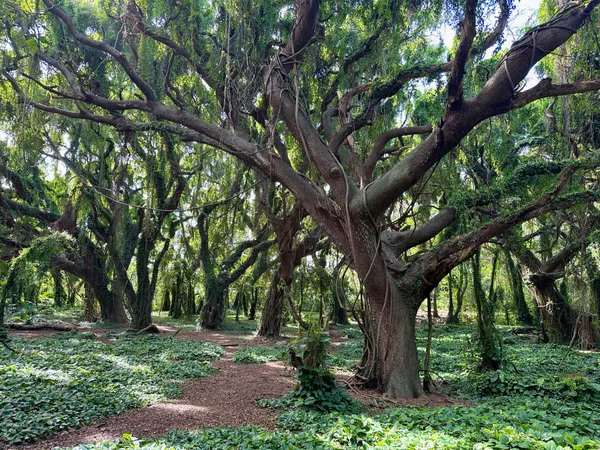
(317, 388)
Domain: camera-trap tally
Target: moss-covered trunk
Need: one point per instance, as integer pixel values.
(213, 309)
(141, 309)
(490, 357)
(524, 317)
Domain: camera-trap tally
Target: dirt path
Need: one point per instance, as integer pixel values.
(227, 397)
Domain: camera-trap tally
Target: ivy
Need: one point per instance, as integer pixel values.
(66, 381)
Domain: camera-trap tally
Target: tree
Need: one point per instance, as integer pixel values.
(333, 91)
(557, 315)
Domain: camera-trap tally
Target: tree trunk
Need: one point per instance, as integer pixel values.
(593, 275)
(3, 333)
(90, 305)
(166, 303)
(524, 317)
(490, 351)
(390, 361)
(111, 306)
(453, 312)
(141, 309)
(557, 318)
(59, 292)
(450, 315)
(213, 310)
(253, 304)
(435, 301)
(397, 361)
(270, 324)
(339, 315)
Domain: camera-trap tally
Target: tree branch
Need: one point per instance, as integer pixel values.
(455, 83)
(545, 89)
(401, 241)
(379, 148)
(104, 48)
(494, 98)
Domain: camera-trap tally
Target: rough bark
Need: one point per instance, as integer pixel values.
(524, 317)
(272, 314)
(290, 257)
(557, 317)
(490, 357)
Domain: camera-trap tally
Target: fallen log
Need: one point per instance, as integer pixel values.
(39, 326)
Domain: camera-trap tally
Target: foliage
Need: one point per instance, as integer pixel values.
(531, 424)
(564, 417)
(317, 388)
(351, 332)
(70, 379)
(345, 355)
(259, 355)
(26, 268)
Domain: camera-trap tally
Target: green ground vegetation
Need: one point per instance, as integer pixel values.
(545, 397)
(69, 379)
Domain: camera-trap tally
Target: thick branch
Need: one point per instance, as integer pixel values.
(30, 211)
(401, 241)
(437, 264)
(379, 147)
(241, 269)
(455, 83)
(495, 98)
(545, 89)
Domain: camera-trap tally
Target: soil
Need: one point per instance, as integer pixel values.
(225, 398)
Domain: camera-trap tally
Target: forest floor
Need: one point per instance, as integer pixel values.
(225, 398)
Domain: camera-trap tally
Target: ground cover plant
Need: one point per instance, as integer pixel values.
(544, 397)
(67, 380)
(259, 355)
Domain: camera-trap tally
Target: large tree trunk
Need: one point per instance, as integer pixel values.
(111, 306)
(270, 324)
(390, 361)
(392, 337)
(557, 318)
(141, 309)
(213, 310)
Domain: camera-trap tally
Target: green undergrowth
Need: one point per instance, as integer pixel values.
(316, 390)
(502, 423)
(69, 379)
(259, 355)
(345, 355)
(544, 398)
(529, 369)
(30, 314)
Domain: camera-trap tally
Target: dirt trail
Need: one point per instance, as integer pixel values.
(227, 397)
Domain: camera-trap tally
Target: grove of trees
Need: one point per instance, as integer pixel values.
(155, 150)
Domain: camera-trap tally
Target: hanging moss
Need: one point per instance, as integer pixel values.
(25, 270)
